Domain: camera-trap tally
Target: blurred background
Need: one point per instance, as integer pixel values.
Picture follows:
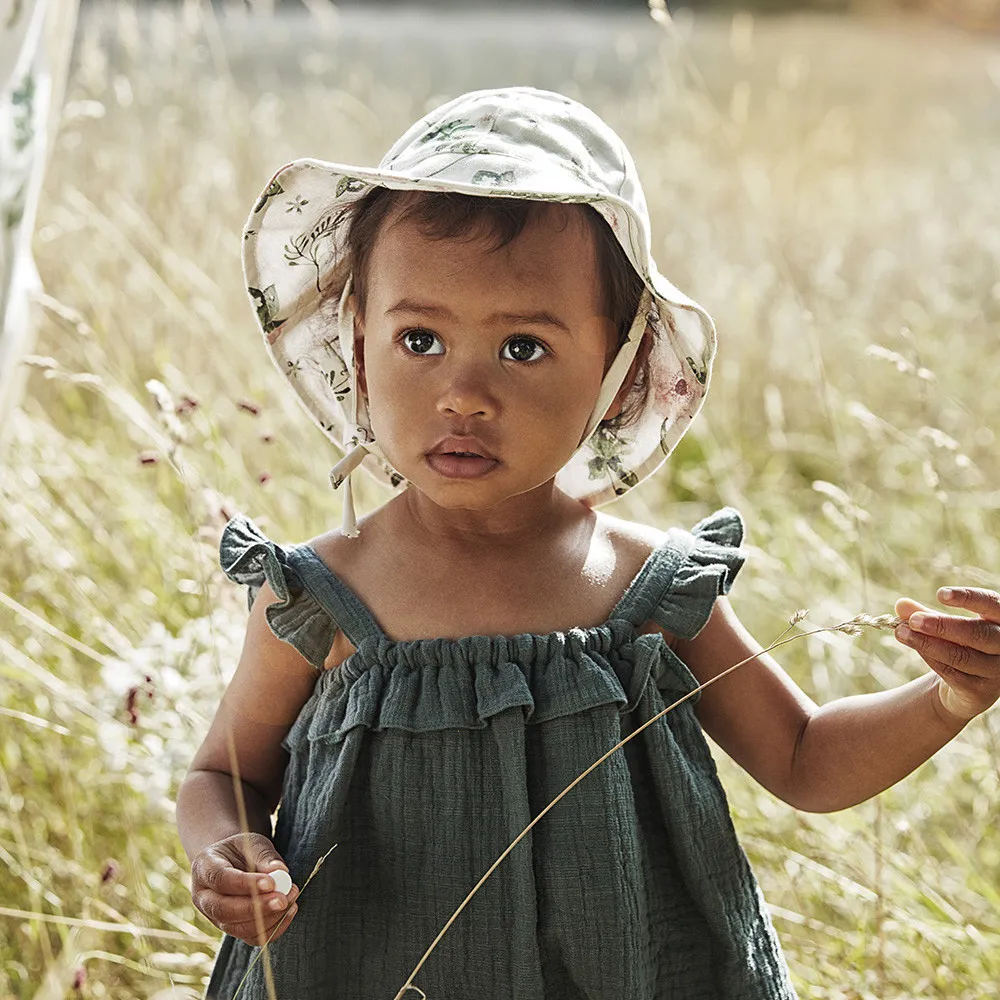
(822, 177)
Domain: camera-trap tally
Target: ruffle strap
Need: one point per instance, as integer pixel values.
(248, 557)
(682, 579)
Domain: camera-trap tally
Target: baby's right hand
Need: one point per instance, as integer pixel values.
(222, 880)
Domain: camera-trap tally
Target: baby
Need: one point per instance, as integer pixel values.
(479, 322)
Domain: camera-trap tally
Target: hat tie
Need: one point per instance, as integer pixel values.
(340, 474)
(615, 378)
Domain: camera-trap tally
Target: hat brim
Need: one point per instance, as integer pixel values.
(295, 266)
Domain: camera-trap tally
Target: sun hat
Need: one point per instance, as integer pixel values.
(514, 142)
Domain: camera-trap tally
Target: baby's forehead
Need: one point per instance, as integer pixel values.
(408, 242)
(539, 245)
(469, 217)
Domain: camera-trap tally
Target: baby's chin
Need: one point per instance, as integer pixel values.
(480, 495)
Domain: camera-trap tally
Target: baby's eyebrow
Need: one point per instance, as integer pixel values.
(540, 318)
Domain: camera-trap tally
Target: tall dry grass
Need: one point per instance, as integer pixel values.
(825, 187)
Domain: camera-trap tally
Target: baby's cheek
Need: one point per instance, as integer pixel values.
(390, 404)
(554, 425)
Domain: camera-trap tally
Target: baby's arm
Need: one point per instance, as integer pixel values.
(271, 684)
(818, 759)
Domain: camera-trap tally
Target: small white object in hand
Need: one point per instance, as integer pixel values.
(282, 881)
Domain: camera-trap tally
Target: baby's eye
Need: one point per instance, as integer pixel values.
(422, 342)
(523, 349)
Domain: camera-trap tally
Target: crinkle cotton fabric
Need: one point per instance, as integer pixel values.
(423, 760)
(514, 142)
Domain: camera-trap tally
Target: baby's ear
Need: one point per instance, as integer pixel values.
(638, 362)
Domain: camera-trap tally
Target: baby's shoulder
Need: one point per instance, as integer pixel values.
(631, 541)
(341, 552)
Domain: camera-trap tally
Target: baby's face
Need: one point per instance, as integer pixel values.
(503, 352)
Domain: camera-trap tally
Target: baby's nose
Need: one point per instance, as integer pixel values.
(468, 393)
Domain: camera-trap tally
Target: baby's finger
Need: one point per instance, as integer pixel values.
(274, 927)
(211, 871)
(976, 633)
(961, 658)
(983, 602)
(906, 606)
(226, 911)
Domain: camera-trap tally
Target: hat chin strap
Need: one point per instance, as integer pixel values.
(357, 451)
(620, 366)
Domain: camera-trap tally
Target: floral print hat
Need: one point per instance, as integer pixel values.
(516, 142)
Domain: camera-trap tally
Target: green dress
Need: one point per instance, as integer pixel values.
(423, 760)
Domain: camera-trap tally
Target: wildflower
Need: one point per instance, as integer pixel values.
(132, 705)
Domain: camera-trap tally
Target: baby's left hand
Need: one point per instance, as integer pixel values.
(964, 652)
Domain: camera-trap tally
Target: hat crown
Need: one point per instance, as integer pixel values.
(523, 139)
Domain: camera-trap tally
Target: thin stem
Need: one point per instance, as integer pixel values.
(258, 917)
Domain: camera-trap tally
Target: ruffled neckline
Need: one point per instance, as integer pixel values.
(447, 683)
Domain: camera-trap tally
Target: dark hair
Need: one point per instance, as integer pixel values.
(447, 215)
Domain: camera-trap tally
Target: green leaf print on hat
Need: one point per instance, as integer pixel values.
(339, 381)
(466, 148)
(608, 448)
(701, 374)
(267, 307)
(272, 190)
(349, 185)
(447, 130)
(305, 248)
(491, 177)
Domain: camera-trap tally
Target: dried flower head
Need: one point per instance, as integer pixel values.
(857, 624)
(848, 628)
(167, 409)
(132, 706)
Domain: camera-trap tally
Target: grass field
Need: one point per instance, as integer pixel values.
(826, 187)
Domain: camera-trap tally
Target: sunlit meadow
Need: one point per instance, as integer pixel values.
(827, 188)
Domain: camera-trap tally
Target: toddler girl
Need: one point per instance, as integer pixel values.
(479, 322)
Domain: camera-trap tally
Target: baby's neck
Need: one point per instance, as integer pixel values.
(519, 524)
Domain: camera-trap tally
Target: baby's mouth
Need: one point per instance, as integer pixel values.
(460, 463)
(462, 446)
